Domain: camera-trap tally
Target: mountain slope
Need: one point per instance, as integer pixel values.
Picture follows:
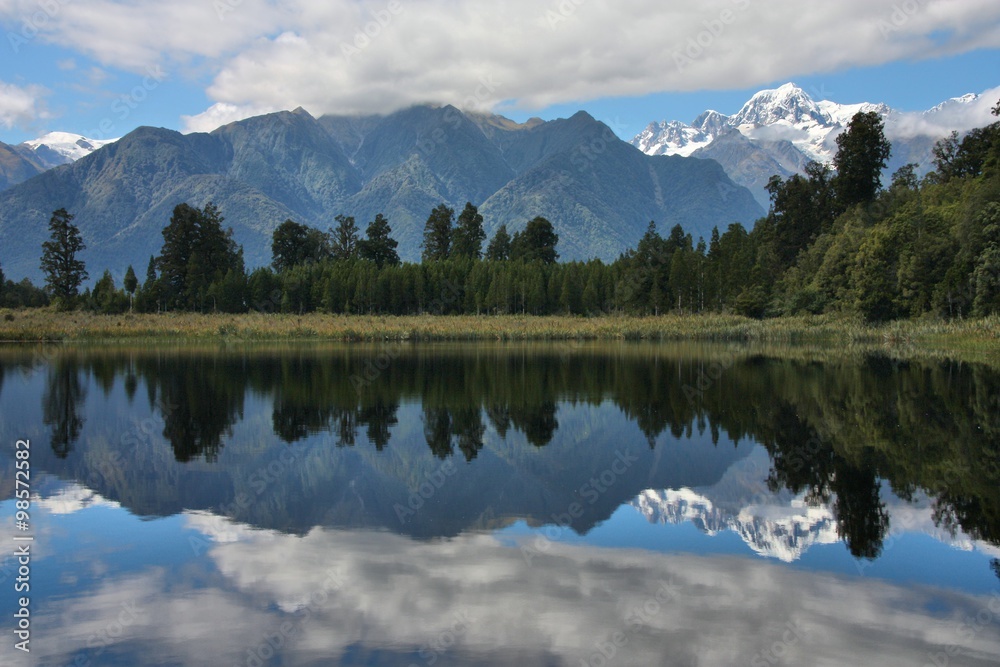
(15, 167)
(599, 192)
(784, 128)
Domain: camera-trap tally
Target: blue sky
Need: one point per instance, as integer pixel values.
(103, 67)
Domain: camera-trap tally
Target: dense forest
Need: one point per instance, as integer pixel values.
(835, 240)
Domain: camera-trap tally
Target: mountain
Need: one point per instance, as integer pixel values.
(15, 167)
(781, 525)
(598, 191)
(59, 148)
(777, 132)
(23, 161)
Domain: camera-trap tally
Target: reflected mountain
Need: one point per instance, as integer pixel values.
(446, 439)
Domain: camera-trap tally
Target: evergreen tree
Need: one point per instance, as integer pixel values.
(468, 237)
(862, 152)
(378, 245)
(537, 242)
(196, 253)
(293, 244)
(63, 271)
(345, 239)
(499, 247)
(130, 284)
(105, 297)
(438, 234)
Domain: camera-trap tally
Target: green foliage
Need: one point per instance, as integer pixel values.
(968, 157)
(63, 271)
(106, 298)
(468, 236)
(293, 244)
(378, 246)
(438, 234)
(499, 247)
(196, 254)
(22, 295)
(862, 152)
(536, 243)
(344, 245)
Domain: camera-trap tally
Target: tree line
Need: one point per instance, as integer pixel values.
(834, 240)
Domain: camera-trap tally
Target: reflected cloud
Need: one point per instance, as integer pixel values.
(483, 596)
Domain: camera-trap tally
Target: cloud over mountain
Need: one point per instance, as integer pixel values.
(377, 56)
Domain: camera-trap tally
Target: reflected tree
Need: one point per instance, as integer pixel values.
(62, 405)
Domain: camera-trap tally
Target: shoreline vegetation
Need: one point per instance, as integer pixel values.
(48, 325)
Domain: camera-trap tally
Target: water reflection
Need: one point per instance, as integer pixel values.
(834, 432)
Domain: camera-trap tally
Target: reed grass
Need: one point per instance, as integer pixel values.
(45, 324)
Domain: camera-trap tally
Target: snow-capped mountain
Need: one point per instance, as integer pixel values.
(782, 525)
(787, 117)
(57, 148)
(783, 531)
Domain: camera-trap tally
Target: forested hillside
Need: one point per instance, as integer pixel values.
(835, 240)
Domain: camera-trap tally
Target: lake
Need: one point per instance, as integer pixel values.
(505, 504)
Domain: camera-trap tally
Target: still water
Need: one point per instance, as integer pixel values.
(418, 505)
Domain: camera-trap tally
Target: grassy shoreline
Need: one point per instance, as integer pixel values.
(49, 325)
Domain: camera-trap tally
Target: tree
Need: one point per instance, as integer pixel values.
(345, 238)
(130, 283)
(862, 152)
(499, 248)
(537, 242)
(106, 298)
(378, 245)
(196, 253)
(293, 244)
(437, 234)
(468, 237)
(63, 271)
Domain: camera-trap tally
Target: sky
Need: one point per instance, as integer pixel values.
(101, 68)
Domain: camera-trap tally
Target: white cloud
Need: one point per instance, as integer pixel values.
(954, 115)
(361, 57)
(372, 56)
(364, 590)
(21, 106)
(221, 114)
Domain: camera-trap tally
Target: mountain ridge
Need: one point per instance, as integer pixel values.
(775, 119)
(597, 190)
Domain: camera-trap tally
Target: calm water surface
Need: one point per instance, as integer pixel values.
(501, 505)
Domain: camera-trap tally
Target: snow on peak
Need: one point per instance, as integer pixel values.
(780, 531)
(66, 145)
(789, 104)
